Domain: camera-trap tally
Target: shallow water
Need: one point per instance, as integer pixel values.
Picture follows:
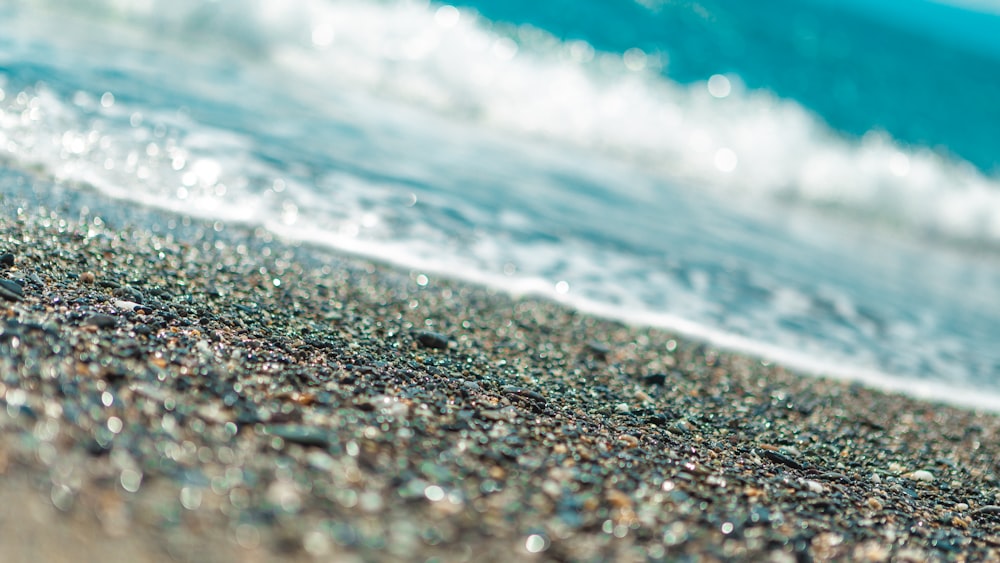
(823, 195)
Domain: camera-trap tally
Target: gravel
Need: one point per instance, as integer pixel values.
(173, 390)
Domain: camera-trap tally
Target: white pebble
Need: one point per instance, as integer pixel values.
(121, 304)
(920, 475)
(815, 486)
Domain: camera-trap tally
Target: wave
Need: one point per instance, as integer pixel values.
(714, 135)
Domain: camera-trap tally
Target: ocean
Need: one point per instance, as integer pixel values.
(813, 182)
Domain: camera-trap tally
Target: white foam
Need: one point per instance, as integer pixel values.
(523, 81)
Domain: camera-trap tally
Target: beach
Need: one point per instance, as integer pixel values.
(178, 390)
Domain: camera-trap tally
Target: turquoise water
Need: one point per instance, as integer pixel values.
(817, 183)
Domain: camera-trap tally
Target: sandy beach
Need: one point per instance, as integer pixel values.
(173, 390)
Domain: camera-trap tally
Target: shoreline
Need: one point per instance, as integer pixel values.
(216, 395)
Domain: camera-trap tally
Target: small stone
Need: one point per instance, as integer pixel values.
(87, 277)
(526, 393)
(920, 475)
(506, 414)
(815, 486)
(791, 451)
(598, 349)
(129, 293)
(7, 260)
(680, 427)
(124, 305)
(655, 379)
(874, 503)
(657, 419)
(629, 440)
(431, 339)
(100, 321)
(11, 290)
(781, 458)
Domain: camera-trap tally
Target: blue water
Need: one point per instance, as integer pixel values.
(813, 182)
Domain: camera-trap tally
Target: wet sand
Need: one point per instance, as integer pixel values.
(171, 390)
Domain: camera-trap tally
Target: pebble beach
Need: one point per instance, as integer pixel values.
(172, 390)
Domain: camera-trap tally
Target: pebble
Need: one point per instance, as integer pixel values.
(431, 339)
(920, 475)
(655, 379)
(100, 320)
(7, 260)
(815, 486)
(536, 398)
(11, 290)
(598, 349)
(657, 419)
(680, 427)
(781, 458)
(629, 440)
(506, 414)
(130, 293)
(125, 305)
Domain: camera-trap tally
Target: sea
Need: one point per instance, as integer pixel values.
(813, 182)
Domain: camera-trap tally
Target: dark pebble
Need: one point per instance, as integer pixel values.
(658, 419)
(96, 448)
(100, 321)
(781, 458)
(598, 349)
(130, 293)
(11, 290)
(655, 379)
(7, 260)
(526, 393)
(430, 339)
